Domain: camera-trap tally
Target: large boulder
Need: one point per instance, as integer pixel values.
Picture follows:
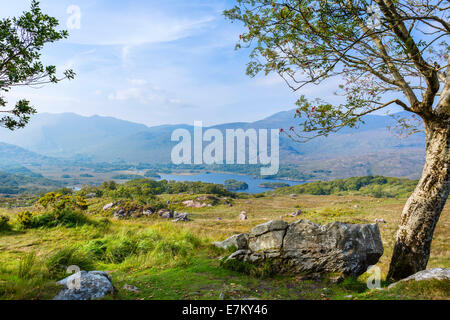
(430, 274)
(305, 247)
(85, 286)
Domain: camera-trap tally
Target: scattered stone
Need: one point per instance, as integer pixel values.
(379, 220)
(293, 195)
(296, 213)
(166, 215)
(91, 195)
(240, 241)
(349, 296)
(304, 247)
(119, 214)
(180, 216)
(248, 202)
(430, 274)
(230, 204)
(85, 286)
(108, 206)
(243, 216)
(131, 288)
(219, 218)
(148, 213)
(356, 206)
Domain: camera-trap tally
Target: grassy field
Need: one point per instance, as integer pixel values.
(175, 260)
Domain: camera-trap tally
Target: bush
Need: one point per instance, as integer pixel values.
(25, 219)
(4, 225)
(66, 218)
(58, 201)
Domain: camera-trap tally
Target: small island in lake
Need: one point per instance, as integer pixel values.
(234, 185)
(273, 185)
(152, 175)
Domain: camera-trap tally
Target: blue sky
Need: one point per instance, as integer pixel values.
(155, 62)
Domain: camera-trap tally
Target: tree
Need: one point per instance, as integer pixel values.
(21, 42)
(378, 49)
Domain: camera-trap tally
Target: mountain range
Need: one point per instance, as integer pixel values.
(370, 149)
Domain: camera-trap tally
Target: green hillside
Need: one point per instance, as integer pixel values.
(375, 186)
(15, 184)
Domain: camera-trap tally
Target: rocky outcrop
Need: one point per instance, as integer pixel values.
(194, 204)
(430, 274)
(85, 286)
(305, 247)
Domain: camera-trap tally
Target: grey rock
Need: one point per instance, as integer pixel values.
(91, 285)
(166, 215)
(273, 225)
(131, 288)
(91, 195)
(429, 274)
(180, 216)
(296, 213)
(243, 216)
(304, 247)
(240, 241)
(267, 236)
(379, 220)
(120, 214)
(108, 206)
(147, 213)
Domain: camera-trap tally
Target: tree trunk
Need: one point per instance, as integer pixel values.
(423, 208)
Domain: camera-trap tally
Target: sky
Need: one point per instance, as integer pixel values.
(155, 62)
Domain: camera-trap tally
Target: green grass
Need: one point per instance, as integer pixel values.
(168, 260)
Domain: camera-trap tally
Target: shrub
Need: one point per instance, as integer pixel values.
(58, 201)
(4, 223)
(66, 218)
(25, 219)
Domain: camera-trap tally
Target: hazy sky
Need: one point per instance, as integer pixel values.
(155, 62)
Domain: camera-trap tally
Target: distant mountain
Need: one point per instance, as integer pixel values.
(66, 135)
(371, 149)
(12, 156)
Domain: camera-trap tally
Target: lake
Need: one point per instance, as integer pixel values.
(219, 178)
